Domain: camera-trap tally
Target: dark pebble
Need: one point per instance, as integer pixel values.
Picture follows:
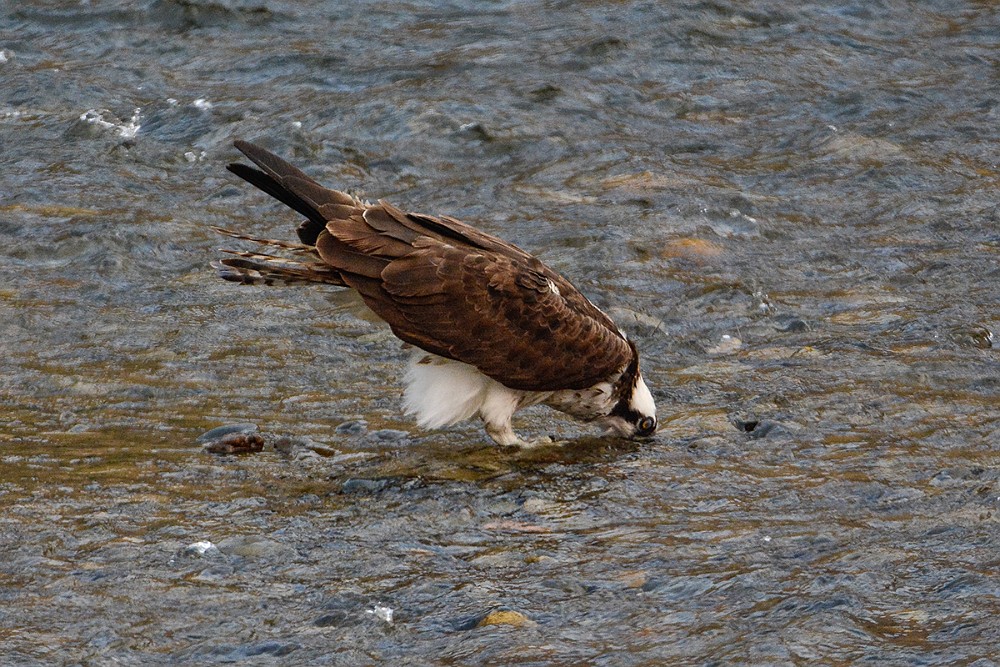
(364, 485)
(767, 428)
(745, 425)
(477, 131)
(791, 325)
(758, 428)
(354, 427)
(222, 431)
(388, 435)
(334, 620)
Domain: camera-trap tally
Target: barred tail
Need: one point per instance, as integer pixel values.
(257, 268)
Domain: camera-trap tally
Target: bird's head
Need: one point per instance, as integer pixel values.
(634, 415)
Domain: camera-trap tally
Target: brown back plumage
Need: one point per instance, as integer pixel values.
(440, 284)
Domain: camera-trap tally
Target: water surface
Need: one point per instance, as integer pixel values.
(792, 211)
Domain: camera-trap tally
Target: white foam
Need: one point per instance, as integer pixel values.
(381, 612)
(201, 548)
(126, 130)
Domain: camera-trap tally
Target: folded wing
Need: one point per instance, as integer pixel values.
(446, 287)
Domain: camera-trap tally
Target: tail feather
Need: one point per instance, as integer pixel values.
(293, 187)
(284, 245)
(276, 188)
(250, 268)
(275, 166)
(258, 268)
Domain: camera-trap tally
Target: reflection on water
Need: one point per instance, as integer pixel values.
(792, 210)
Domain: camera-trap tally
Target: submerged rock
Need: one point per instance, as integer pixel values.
(255, 546)
(222, 431)
(504, 617)
(726, 345)
(203, 548)
(353, 427)
(236, 443)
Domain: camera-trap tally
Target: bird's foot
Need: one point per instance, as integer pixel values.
(505, 437)
(514, 441)
(544, 441)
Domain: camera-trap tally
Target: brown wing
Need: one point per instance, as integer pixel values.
(451, 289)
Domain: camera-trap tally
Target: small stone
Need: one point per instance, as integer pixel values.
(334, 619)
(545, 93)
(761, 428)
(237, 443)
(509, 525)
(504, 617)
(286, 445)
(764, 429)
(222, 431)
(745, 425)
(256, 546)
(477, 131)
(727, 345)
(269, 647)
(691, 248)
(630, 316)
(321, 449)
(388, 435)
(634, 578)
(791, 325)
(363, 486)
(353, 427)
(203, 548)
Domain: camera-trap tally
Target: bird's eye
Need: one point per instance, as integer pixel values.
(646, 426)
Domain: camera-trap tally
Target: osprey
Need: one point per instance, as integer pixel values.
(493, 329)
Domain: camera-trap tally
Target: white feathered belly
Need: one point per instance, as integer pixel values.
(441, 392)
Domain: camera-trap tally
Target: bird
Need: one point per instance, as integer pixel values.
(490, 328)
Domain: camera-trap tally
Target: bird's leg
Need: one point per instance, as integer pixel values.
(503, 434)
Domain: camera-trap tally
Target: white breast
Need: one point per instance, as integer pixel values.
(441, 392)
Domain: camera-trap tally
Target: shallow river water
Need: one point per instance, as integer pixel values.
(792, 208)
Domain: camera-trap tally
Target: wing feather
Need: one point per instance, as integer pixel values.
(498, 315)
(347, 259)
